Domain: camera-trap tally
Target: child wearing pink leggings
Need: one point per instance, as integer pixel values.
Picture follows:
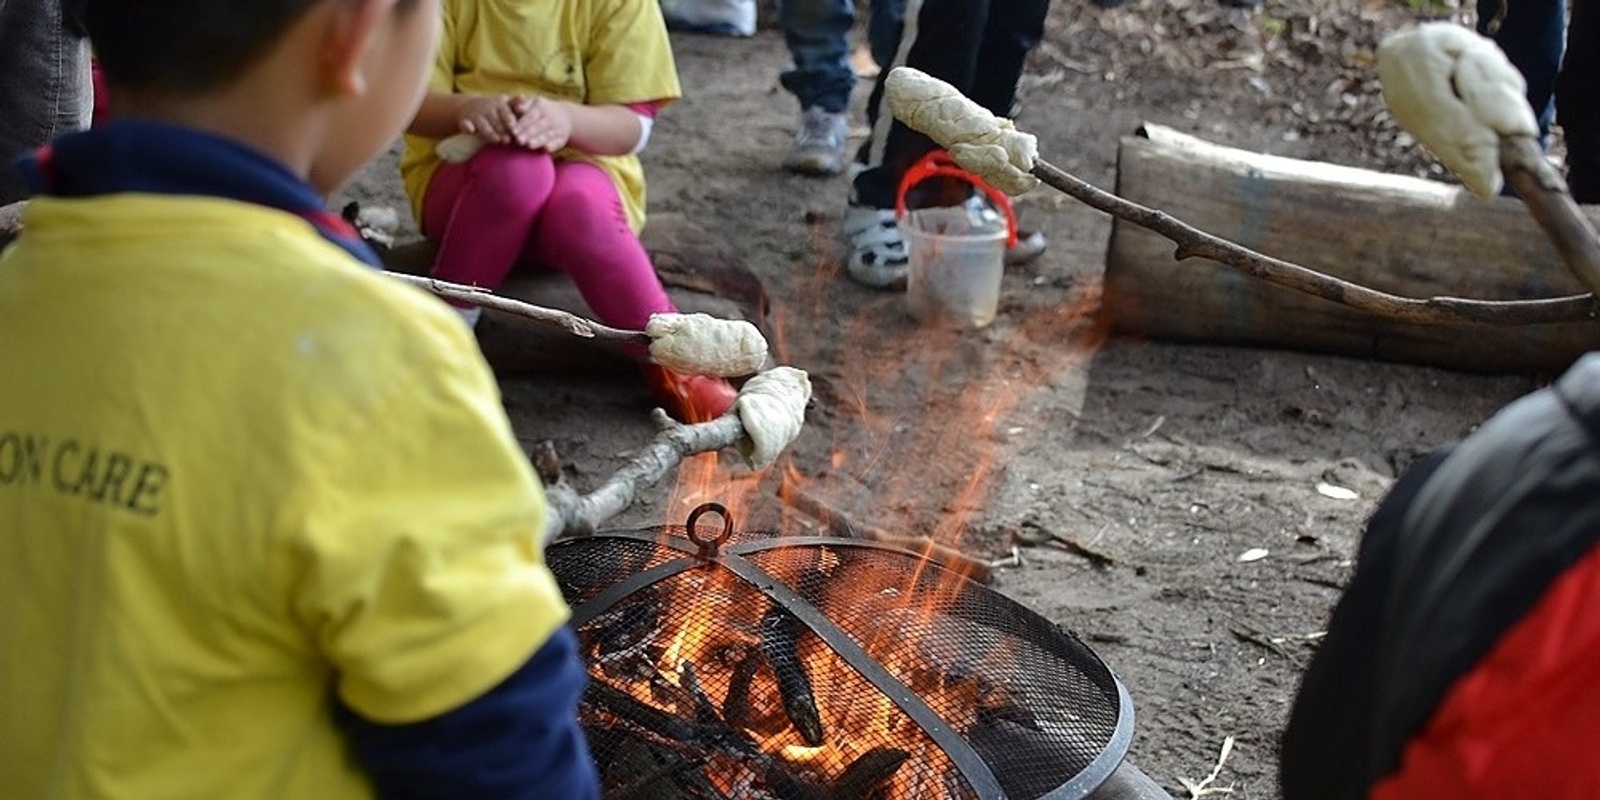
(565, 94)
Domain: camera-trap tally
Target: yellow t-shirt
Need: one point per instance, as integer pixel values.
(595, 52)
(239, 471)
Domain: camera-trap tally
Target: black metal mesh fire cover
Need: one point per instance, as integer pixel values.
(752, 665)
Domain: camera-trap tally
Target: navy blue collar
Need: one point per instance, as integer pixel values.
(157, 158)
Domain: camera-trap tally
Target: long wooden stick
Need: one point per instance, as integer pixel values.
(574, 514)
(1192, 242)
(1548, 201)
(483, 298)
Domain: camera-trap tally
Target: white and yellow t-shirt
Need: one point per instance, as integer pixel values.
(239, 472)
(594, 52)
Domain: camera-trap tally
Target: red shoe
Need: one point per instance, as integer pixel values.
(690, 398)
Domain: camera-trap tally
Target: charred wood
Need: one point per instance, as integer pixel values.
(780, 643)
(637, 766)
(736, 704)
(864, 779)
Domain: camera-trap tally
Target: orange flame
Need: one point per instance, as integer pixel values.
(948, 444)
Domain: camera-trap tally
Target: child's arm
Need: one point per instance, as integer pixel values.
(518, 741)
(426, 591)
(535, 123)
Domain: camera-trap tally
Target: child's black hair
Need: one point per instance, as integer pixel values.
(185, 47)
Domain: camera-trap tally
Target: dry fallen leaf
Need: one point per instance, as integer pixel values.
(1336, 492)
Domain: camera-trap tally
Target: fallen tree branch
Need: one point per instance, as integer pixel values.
(572, 514)
(483, 298)
(840, 524)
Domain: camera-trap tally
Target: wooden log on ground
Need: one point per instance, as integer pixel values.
(1405, 236)
(698, 271)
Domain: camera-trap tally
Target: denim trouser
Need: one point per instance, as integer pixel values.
(1534, 34)
(44, 84)
(977, 46)
(1578, 101)
(818, 35)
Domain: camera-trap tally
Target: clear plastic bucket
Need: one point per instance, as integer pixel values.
(957, 258)
(956, 254)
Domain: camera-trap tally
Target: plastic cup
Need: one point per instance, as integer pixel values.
(956, 261)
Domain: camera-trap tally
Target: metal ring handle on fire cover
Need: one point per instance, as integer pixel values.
(710, 549)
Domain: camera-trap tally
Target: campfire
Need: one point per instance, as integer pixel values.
(749, 665)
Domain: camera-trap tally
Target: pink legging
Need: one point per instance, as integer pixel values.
(509, 204)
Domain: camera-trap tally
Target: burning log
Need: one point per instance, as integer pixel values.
(736, 704)
(622, 643)
(713, 734)
(705, 712)
(780, 644)
(671, 754)
(862, 780)
(656, 770)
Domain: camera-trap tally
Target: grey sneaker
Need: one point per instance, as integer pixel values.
(718, 17)
(818, 147)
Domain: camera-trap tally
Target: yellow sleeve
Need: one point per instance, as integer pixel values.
(629, 57)
(421, 577)
(442, 79)
(418, 162)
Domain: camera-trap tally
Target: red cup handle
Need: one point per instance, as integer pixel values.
(938, 163)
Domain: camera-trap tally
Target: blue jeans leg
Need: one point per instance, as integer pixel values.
(817, 33)
(1578, 101)
(1533, 34)
(44, 84)
(884, 26)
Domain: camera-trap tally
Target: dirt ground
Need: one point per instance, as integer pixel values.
(1169, 461)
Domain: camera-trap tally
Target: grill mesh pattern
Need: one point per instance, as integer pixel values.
(806, 668)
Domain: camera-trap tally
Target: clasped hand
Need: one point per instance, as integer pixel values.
(536, 123)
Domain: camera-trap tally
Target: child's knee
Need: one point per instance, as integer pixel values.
(513, 175)
(586, 194)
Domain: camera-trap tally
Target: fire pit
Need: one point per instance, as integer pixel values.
(752, 665)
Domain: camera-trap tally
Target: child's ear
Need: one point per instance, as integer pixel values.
(351, 27)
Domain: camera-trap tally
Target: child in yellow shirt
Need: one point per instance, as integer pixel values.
(265, 531)
(566, 92)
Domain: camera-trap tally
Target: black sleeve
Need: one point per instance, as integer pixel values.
(519, 741)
